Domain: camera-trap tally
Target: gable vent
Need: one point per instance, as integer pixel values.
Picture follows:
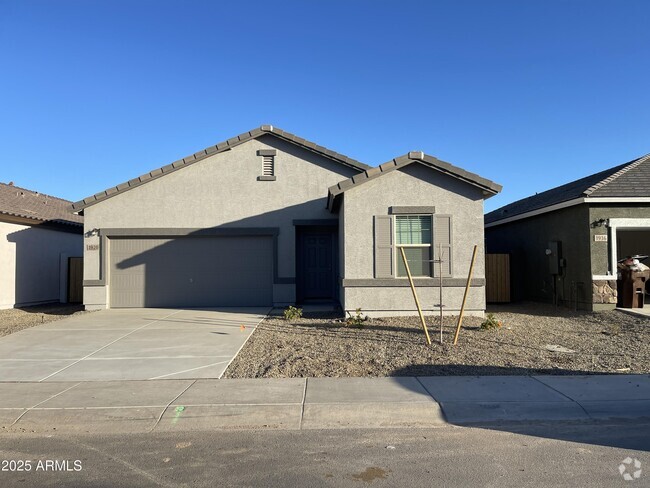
(268, 166)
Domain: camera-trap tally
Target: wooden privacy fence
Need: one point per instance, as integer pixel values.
(497, 278)
(75, 280)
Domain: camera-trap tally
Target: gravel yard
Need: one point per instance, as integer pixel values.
(318, 345)
(15, 319)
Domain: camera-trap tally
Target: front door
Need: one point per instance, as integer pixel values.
(316, 265)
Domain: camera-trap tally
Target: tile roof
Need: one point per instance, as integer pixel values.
(217, 148)
(489, 188)
(631, 179)
(28, 204)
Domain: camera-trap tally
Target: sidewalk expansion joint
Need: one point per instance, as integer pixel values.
(302, 406)
(171, 401)
(417, 378)
(564, 395)
(41, 403)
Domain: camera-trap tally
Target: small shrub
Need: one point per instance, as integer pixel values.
(292, 313)
(491, 322)
(357, 319)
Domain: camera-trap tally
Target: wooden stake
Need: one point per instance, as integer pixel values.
(415, 296)
(440, 271)
(462, 308)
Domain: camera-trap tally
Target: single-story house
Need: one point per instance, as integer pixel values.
(270, 219)
(38, 237)
(564, 243)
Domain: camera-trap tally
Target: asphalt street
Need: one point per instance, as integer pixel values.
(538, 455)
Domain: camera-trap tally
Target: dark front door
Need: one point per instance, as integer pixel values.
(316, 265)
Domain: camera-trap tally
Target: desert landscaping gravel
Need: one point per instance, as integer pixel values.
(15, 319)
(319, 345)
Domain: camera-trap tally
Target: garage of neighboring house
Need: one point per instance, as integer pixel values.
(191, 271)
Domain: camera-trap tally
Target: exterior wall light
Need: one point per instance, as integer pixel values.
(598, 223)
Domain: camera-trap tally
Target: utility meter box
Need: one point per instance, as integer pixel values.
(554, 254)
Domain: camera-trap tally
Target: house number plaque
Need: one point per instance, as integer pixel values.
(92, 247)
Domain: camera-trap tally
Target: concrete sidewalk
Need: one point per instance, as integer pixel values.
(317, 403)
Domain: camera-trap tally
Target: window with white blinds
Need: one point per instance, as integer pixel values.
(414, 234)
(413, 229)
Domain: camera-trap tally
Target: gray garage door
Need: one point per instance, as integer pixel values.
(191, 272)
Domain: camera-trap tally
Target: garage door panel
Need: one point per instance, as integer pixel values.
(191, 272)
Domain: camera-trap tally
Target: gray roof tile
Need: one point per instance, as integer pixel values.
(28, 204)
(631, 179)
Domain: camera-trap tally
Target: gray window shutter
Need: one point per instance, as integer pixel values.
(384, 246)
(442, 242)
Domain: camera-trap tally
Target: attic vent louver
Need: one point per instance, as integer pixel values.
(268, 166)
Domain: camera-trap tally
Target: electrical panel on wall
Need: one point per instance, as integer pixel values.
(554, 254)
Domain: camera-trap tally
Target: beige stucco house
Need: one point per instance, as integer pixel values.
(38, 237)
(270, 219)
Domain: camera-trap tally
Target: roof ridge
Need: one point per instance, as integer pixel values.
(36, 192)
(404, 160)
(633, 164)
(215, 149)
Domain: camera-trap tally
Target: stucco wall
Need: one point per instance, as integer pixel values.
(32, 262)
(223, 191)
(600, 250)
(341, 264)
(526, 241)
(414, 185)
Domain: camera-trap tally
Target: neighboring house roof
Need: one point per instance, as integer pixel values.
(631, 179)
(34, 206)
(488, 187)
(218, 148)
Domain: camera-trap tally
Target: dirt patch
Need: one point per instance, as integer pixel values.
(321, 346)
(15, 319)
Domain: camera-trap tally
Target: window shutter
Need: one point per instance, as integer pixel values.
(384, 246)
(442, 242)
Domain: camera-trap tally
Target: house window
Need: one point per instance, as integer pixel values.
(414, 234)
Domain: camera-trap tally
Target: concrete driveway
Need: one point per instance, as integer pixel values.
(129, 344)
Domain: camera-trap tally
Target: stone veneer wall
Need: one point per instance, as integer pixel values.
(605, 292)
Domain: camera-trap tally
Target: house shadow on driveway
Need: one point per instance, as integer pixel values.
(575, 406)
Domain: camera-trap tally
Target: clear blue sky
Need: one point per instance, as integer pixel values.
(530, 94)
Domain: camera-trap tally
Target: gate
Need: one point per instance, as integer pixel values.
(497, 278)
(75, 280)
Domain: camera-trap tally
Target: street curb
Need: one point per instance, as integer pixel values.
(319, 403)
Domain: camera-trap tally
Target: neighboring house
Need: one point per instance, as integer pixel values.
(38, 235)
(587, 225)
(251, 222)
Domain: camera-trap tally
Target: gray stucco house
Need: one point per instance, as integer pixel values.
(268, 218)
(587, 225)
